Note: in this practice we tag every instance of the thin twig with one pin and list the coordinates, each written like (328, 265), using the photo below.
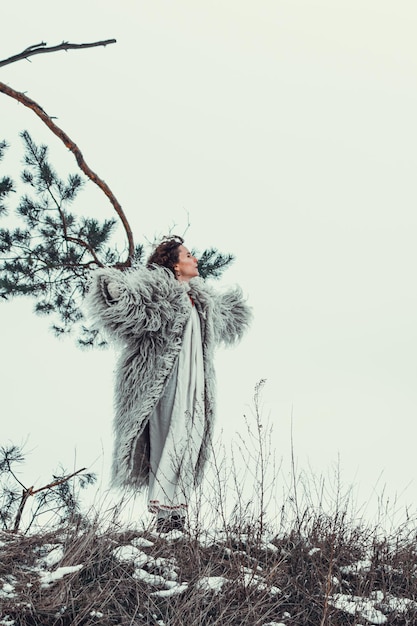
(58, 481)
(9, 469)
(41, 48)
(328, 585)
(293, 471)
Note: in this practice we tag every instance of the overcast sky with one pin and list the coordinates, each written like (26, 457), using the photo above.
(285, 132)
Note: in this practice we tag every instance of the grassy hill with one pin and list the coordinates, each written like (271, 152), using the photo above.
(321, 571)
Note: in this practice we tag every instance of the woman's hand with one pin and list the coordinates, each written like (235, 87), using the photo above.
(113, 290)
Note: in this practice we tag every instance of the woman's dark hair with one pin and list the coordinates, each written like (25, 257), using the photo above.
(166, 253)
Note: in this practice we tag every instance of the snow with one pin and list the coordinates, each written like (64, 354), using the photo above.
(162, 576)
(149, 579)
(358, 606)
(212, 583)
(165, 575)
(7, 587)
(53, 555)
(47, 578)
(250, 579)
(174, 591)
(270, 547)
(126, 554)
(358, 567)
(141, 542)
(5, 593)
(172, 535)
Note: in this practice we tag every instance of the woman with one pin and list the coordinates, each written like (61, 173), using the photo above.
(168, 321)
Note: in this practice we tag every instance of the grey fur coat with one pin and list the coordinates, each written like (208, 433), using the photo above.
(145, 311)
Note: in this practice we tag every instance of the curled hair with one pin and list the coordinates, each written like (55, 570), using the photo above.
(166, 253)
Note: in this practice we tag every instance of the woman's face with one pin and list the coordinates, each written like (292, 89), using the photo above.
(186, 268)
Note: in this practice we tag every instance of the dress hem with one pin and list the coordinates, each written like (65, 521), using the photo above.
(155, 506)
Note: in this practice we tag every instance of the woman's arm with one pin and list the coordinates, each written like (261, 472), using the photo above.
(129, 303)
(232, 316)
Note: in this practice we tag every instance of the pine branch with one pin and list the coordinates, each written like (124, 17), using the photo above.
(69, 143)
(41, 48)
(76, 240)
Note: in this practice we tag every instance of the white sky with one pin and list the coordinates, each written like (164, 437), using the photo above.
(287, 132)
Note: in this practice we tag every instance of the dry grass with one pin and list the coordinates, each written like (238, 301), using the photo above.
(229, 577)
(242, 561)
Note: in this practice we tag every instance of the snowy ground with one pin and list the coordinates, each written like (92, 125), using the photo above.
(44, 568)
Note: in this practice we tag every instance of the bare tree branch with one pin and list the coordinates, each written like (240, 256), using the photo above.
(69, 143)
(55, 483)
(26, 493)
(41, 48)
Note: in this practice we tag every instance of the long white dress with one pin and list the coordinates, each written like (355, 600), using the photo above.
(176, 428)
